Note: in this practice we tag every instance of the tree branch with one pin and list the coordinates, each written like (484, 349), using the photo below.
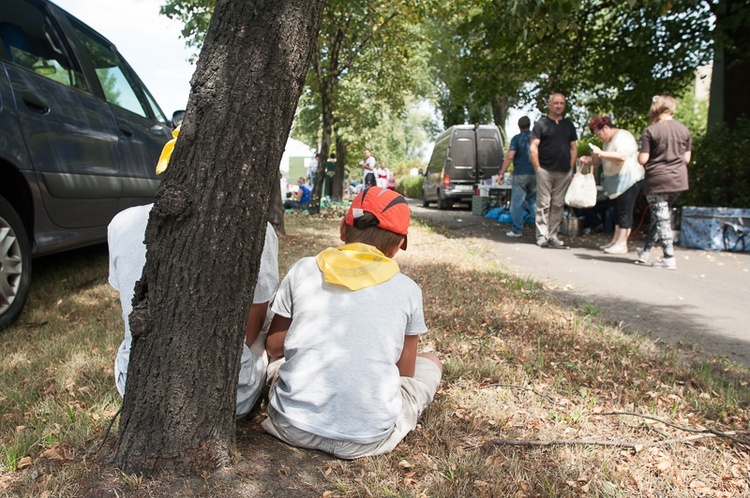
(594, 442)
(715, 432)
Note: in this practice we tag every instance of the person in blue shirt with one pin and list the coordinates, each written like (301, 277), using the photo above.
(301, 199)
(524, 177)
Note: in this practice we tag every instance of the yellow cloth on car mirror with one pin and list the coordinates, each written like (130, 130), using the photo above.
(166, 152)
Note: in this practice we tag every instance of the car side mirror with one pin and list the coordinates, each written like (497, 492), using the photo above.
(177, 118)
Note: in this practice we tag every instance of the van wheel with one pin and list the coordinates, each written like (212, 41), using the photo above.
(443, 203)
(425, 202)
(15, 265)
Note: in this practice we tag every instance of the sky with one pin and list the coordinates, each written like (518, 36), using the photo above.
(150, 43)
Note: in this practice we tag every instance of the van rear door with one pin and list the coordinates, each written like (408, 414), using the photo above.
(489, 152)
(462, 154)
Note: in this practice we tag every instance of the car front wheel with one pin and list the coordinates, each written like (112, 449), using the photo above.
(15, 265)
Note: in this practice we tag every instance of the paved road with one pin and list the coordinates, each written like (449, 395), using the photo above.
(705, 302)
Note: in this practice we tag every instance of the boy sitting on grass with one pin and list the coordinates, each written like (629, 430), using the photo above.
(347, 324)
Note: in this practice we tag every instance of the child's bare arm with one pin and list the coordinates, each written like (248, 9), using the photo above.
(408, 356)
(255, 320)
(276, 335)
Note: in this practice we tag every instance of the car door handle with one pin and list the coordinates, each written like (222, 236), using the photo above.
(126, 130)
(35, 103)
(159, 130)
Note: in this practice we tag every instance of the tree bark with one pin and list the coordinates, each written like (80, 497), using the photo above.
(276, 208)
(338, 176)
(206, 234)
(500, 106)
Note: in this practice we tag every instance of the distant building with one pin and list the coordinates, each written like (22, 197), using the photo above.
(295, 159)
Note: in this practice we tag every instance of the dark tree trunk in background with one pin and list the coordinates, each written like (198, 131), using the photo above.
(326, 94)
(206, 234)
(338, 177)
(730, 99)
(500, 106)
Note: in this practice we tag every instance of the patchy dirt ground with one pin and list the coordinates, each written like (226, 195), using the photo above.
(265, 468)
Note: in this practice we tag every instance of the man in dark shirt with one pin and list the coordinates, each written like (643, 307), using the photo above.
(524, 178)
(553, 155)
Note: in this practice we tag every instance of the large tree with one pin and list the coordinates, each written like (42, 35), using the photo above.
(205, 236)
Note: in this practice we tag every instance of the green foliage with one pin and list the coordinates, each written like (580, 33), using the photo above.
(195, 15)
(606, 56)
(410, 186)
(720, 171)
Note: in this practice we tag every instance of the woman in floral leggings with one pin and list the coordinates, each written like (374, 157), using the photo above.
(665, 153)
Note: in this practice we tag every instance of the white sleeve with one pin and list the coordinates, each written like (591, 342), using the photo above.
(268, 274)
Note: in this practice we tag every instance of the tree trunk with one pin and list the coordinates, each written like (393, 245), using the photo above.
(276, 209)
(338, 177)
(206, 234)
(729, 97)
(500, 106)
(736, 65)
(326, 99)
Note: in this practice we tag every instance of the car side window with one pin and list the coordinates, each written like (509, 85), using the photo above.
(155, 109)
(32, 40)
(119, 86)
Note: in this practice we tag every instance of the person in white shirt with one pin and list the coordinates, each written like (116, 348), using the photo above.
(348, 379)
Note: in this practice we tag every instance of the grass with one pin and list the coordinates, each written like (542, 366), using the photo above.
(518, 366)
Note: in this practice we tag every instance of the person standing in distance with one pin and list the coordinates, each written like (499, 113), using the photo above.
(369, 179)
(665, 152)
(524, 176)
(553, 155)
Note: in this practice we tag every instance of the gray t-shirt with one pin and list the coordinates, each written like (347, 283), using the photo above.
(340, 378)
(666, 143)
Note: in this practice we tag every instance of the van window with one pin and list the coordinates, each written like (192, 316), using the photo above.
(489, 152)
(462, 153)
(120, 87)
(32, 41)
(438, 157)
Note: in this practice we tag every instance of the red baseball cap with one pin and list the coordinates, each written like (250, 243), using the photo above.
(389, 207)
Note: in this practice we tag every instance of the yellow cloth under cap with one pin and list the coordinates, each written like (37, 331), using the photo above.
(356, 266)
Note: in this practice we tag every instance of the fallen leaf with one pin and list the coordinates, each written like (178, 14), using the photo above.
(51, 454)
(23, 463)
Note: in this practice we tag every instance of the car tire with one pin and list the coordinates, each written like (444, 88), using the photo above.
(443, 204)
(15, 265)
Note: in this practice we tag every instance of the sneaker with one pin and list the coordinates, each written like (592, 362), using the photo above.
(513, 234)
(542, 242)
(557, 243)
(643, 256)
(665, 263)
(606, 246)
(616, 250)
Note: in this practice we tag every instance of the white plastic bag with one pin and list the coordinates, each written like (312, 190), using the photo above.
(582, 190)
